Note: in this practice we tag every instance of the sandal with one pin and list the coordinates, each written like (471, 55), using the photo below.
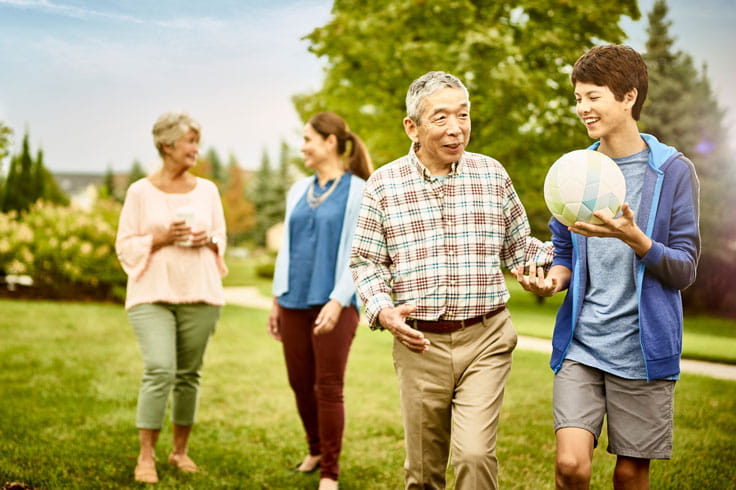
(315, 467)
(145, 473)
(184, 463)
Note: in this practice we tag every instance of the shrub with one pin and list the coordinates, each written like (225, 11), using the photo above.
(69, 253)
(265, 270)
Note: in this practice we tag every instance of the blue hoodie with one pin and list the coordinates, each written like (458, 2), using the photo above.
(668, 214)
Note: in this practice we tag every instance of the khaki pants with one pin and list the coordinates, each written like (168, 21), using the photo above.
(451, 396)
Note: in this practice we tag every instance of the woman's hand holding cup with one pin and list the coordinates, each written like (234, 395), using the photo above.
(182, 227)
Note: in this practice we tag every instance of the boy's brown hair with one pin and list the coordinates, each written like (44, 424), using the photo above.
(618, 67)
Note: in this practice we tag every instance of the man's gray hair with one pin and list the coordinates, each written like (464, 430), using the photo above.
(426, 85)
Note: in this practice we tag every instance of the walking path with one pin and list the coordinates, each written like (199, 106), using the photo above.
(250, 296)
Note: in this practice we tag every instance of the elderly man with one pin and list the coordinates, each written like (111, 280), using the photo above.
(434, 230)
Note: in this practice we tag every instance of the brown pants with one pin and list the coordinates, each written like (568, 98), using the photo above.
(451, 397)
(316, 368)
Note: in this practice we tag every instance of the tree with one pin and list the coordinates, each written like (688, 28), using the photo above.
(240, 213)
(268, 195)
(45, 186)
(285, 176)
(683, 111)
(5, 141)
(514, 57)
(136, 172)
(108, 189)
(18, 193)
(28, 180)
(218, 171)
(210, 167)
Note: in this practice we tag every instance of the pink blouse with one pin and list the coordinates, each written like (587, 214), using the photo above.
(171, 274)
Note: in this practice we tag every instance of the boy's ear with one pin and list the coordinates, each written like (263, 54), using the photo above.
(630, 98)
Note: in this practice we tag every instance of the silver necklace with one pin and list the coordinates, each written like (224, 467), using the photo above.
(313, 201)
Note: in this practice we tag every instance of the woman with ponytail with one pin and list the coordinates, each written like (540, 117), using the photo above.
(315, 307)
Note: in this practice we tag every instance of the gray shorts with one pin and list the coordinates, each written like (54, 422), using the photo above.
(639, 413)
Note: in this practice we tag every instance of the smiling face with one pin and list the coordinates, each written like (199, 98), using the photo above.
(184, 152)
(443, 129)
(316, 148)
(604, 116)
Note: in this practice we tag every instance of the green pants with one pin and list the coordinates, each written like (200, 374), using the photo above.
(172, 338)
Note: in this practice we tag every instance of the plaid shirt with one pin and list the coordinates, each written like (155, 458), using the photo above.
(439, 243)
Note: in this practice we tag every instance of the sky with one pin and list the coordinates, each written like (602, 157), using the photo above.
(88, 78)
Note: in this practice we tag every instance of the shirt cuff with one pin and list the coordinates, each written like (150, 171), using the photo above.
(374, 306)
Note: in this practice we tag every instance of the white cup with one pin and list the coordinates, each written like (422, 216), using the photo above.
(186, 214)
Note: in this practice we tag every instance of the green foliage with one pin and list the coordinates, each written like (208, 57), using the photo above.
(69, 378)
(136, 172)
(265, 270)
(267, 192)
(514, 57)
(218, 171)
(28, 180)
(46, 187)
(18, 193)
(683, 111)
(68, 252)
(5, 141)
(109, 189)
(239, 211)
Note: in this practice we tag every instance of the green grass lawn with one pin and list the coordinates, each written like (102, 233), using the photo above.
(69, 377)
(242, 272)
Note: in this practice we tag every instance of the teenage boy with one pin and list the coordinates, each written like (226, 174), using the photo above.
(618, 334)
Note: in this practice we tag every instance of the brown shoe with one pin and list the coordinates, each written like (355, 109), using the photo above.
(145, 473)
(184, 463)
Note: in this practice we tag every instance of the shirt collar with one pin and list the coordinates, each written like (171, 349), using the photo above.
(455, 167)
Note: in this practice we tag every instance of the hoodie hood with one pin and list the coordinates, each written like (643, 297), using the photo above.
(659, 152)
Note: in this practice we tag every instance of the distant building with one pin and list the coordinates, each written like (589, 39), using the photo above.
(83, 189)
(73, 183)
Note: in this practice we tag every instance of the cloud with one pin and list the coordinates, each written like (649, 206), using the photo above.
(82, 13)
(68, 10)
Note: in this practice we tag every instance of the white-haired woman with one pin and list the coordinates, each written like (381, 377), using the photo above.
(171, 243)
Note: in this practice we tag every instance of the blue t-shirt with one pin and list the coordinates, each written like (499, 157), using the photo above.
(314, 237)
(607, 332)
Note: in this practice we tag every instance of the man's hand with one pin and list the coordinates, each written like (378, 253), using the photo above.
(537, 283)
(393, 319)
(624, 228)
